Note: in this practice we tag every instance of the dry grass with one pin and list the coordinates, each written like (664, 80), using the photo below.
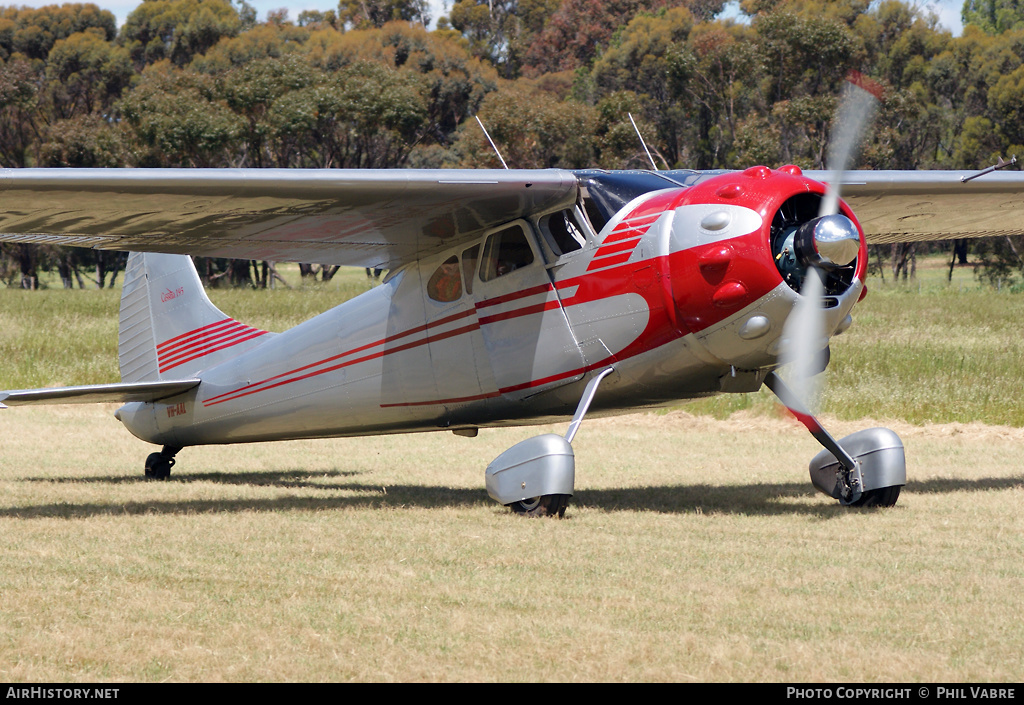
(694, 550)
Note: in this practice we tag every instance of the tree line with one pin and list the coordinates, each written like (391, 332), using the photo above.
(203, 83)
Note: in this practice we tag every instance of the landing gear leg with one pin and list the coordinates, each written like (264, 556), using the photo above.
(865, 469)
(158, 465)
(535, 477)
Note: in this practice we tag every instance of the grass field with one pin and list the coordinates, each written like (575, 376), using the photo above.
(695, 548)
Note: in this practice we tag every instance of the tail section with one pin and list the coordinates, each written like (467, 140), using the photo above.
(169, 329)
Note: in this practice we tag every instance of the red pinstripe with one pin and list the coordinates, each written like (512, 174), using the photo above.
(206, 342)
(192, 334)
(610, 261)
(206, 351)
(620, 246)
(262, 386)
(202, 341)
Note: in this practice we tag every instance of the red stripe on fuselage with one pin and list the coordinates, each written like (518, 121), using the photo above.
(589, 282)
(515, 295)
(613, 279)
(203, 341)
(231, 396)
(207, 351)
(294, 376)
(383, 341)
(620, 246)
(610, 261)
(206, 341)
(186, 338)
(519, 312)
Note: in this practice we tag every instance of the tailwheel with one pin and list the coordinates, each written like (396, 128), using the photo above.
(158, 465)
(549, 505)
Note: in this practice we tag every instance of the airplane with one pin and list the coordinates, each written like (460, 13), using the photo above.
(513, 297)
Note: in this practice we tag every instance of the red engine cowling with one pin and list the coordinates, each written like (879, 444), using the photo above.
(737, 264)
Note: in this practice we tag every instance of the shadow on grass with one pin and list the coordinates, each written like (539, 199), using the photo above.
(760, 499)
(939, 485)
(291, 478)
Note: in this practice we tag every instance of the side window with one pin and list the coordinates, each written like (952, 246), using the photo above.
(505, 251)
(445, 283)
(469, 258)
(597, 218)
(564, 234)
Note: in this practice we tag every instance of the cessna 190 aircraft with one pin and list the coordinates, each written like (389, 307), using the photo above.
(513, 297)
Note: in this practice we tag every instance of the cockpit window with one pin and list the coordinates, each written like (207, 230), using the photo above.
(505, 251)
(563, 231)
(445, 283)
(604, 193)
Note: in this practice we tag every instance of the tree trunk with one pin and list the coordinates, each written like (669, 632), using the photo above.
(274, 275)
(101, 270)
(64, 269)
(28, 267)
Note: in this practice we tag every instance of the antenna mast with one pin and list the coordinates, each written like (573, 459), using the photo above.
(500, 158)
(653, 165)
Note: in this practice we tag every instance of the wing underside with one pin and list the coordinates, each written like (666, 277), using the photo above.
(383, 218)
(909, 206)
(378, 218)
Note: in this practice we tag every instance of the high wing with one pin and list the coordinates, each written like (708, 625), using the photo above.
(365, 217)
(386, 217)
(908, 206)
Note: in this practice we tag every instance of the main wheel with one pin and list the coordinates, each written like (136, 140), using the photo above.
(548, 505)
(882, 497)
(158, 466)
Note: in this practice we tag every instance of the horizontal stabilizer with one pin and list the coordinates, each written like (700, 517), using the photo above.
(99, 393)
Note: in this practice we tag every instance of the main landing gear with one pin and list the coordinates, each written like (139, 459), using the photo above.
(548, 505)
(865, 469)
(535, 477)
(158, 465)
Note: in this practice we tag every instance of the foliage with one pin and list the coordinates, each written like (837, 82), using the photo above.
(203, 83)
(177, 30)
(994, 16)
(367, 14)
(33, 32)
(532, 129)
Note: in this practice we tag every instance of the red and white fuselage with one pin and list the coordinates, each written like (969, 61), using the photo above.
(680, 292)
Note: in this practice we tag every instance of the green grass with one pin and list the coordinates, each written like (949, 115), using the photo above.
(56, 337)
(925, 351)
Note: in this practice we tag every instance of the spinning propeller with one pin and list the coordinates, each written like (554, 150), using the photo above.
(820, 246)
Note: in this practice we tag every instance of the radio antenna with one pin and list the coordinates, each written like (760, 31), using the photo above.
(653, 165)
(493, 146)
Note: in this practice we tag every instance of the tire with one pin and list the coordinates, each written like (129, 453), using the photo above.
(158, 466)
(550, 505)
(882, 497)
